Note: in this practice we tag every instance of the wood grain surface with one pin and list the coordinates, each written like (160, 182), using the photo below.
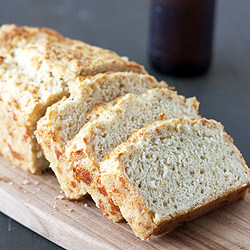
(37, 202)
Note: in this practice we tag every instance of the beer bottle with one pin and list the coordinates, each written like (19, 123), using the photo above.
(181, 36)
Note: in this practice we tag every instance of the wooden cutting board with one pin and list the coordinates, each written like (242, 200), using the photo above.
(37, 202)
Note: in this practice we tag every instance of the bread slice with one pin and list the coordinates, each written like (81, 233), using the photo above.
(38, 67)
(112, 127)
(64, 119)
(173, 171)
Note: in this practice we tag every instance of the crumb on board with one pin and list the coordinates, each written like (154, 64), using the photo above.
(54, 207)
(25, 191)
(38, 189)
(60, 197)
(85, 205)
(25, 182)
(70, 210)
(61, 192)
(10, 183)
(5, 181)
(65, 204)
(37, 183)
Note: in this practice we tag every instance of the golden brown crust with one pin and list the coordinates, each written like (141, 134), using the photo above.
(130, 203)
(10, 34)
(16, 129)
(85, 170)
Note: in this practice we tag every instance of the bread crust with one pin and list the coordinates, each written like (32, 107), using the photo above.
(17, 140)
(132, 205)
(38, 66)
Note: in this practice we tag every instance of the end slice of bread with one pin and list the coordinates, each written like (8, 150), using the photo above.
(173, 171)
(112, 127)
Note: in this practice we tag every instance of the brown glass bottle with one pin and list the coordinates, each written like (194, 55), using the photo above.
(181, 36)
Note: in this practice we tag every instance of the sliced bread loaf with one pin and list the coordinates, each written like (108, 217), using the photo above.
(112, 127)
(64, 119)
(173, 171)
(38, 67)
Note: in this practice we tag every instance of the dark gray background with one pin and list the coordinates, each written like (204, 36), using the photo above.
(123, 26)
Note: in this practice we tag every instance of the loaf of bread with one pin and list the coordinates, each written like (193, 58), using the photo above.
(38, 67)
(64, 119)
(112, 127)
(173, 171)
(81, 103)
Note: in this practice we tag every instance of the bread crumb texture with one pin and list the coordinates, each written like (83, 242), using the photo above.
(117, 120)
(174, 168)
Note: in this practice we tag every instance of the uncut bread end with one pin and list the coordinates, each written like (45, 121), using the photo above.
(38, 67)
(173, 171)
(112, 127)
(64, 119)
(19, 105)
